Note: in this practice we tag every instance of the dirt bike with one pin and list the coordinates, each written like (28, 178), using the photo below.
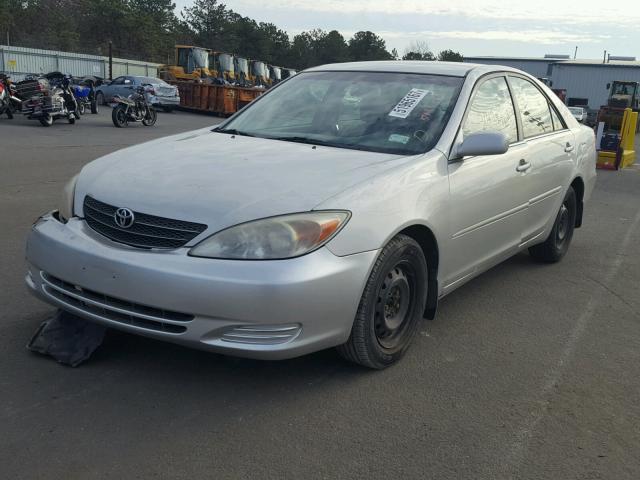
(134, 108)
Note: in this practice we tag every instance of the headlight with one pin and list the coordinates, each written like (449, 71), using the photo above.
(65, 208)
(274, 238)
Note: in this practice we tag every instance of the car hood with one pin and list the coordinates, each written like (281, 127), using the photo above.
(222, 180)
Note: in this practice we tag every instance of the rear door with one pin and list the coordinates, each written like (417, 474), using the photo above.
(488, 195)
(551, 154)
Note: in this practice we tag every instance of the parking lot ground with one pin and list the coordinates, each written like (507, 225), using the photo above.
(528, 372)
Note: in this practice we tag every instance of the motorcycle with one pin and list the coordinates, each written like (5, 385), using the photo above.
(51, 104)
(9, 102)
(134, 108)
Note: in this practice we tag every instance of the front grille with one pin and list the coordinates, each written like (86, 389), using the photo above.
(147, 231)
(114, 309)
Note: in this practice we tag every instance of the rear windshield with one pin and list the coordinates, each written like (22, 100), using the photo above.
(401, 113)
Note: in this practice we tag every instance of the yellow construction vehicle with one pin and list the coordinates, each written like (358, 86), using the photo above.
(191, 64)
(259, 75)
(243, 77)
(622, 95)
(223, 65)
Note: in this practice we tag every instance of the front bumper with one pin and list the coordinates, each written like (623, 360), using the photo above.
(258, 309)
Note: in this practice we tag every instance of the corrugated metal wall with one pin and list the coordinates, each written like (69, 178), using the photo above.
(537, 68)
(18, 61)
(590, 81)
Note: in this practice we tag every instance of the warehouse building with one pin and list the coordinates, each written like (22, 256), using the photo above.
(584, 80)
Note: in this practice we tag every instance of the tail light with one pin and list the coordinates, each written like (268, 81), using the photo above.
(1, 88)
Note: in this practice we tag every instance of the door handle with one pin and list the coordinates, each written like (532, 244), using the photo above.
(523, 166)
(568, 147)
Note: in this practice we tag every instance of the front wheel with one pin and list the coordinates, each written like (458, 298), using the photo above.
(94, 106)
(557, 243)
(81, 108)
(46, 121)
(71, 118)
(100, 99)
(119, 116)
(391, 306)
(150, 118)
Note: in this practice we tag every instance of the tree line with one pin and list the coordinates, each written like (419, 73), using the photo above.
(149, 29)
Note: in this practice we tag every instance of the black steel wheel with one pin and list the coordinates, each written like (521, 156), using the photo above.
(557, 243)
(119, 116)
(391, 306)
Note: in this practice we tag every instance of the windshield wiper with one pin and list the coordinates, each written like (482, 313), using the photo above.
(232, 131)
(311, 141)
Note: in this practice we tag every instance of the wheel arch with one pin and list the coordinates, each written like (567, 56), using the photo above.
(578, 186)
(425, 237)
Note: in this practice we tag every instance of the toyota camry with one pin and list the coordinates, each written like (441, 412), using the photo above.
(336, 210)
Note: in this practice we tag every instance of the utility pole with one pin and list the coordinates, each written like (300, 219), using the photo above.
(110, 60)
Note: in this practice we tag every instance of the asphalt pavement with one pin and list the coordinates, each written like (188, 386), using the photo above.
(528, 372)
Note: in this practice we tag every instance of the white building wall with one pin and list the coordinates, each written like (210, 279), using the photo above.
(590, 81)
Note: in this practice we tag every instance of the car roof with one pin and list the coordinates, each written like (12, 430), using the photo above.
(454, 69)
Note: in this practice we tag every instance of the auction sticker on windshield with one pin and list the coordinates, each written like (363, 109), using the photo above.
(408, 103)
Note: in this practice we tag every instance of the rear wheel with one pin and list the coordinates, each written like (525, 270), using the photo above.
(391, 306)
(119, 116)
(9, 113)
(94, 106)
(557, 243)
(150, 118)
(71, 118)
(46, 121)
(81, 108)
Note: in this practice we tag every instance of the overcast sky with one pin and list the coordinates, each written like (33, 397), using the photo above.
(482, 27)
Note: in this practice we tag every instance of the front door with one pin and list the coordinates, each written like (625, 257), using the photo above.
(487, 193)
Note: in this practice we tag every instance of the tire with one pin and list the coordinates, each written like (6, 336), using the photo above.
(119, 116)
(9, 113)
(46, 121)
(167, 109)
(100, 99)
(557, 243)
(94, 106)
(81, 108)
(150, 119)
(391, 307)
(71, 119)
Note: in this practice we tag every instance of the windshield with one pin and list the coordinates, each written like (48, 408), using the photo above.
(258, 69)
(200, 58)
(226, 62)
(153, 81)
(242, 65)
(399, 113)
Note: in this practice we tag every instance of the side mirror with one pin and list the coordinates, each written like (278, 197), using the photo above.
(608, 86)
(482, 143)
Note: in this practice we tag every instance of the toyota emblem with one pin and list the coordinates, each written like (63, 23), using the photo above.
(123, 217)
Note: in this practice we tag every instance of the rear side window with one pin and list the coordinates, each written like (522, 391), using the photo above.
(557, 123)
(535, 111)
(491, 109)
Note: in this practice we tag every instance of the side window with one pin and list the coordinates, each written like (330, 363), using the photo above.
(118, 81)
(557, 123)
(535, 112)
(492, 109)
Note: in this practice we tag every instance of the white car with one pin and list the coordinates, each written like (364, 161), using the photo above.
(335, 210)
(579, 113)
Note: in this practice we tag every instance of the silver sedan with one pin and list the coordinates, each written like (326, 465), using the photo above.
(334, 211)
